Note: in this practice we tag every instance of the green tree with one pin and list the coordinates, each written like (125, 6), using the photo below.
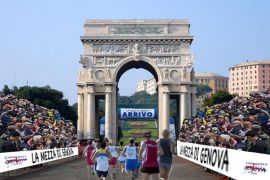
(138, 100)
(6, 90)
(203, 89)
(49, 98)
(217, 98)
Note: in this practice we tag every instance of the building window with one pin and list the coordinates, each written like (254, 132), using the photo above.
(250, 72)
(255, 87)
(263, 66)
(233, 89)
(263, 81)
(263, 87)
(242, 83)
(250, 77)
(255, 71)
(263, 76)
(241, 73)
(242, 88)
(263, 71)
(237, 73)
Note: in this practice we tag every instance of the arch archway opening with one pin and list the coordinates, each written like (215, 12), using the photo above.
(136, 65)
(136, 100)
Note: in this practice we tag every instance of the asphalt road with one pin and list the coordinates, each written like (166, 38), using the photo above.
(76, 170)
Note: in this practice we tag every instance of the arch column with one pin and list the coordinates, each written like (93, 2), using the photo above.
(163, 108)
(194, 101)
(109, 122)
(183, 107)
(80, 120)
(91, 118)
(188, 101)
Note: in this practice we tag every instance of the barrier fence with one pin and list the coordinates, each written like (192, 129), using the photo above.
(21, 159)
(236, 164)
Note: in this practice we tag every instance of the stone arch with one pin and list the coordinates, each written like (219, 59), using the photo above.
(112, 47)
(132, 62)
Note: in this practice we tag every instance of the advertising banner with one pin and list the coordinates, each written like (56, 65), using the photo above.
(130, 113)
(20, 159)
(236, 164)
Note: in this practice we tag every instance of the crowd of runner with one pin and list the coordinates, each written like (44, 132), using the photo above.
(242, 123)
(151, 158)
(27, 126)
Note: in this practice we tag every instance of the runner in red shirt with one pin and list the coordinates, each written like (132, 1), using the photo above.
(149, 157)
(88, 151)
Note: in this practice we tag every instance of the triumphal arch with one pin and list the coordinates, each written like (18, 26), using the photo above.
(111, 47)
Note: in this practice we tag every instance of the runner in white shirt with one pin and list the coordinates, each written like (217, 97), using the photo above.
(130, 152)
(102, 157)
(121, 158)
(113, 162)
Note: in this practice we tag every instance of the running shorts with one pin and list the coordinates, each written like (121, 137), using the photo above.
(113, 161)
(150, 170)
(102, 173)
(132, 164)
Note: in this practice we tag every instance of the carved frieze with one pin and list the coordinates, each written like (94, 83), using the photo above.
(162, 48)
(182, 61)
(106, 61)
(136, 30)
(168, 61)
(86, 75)
(110, 48)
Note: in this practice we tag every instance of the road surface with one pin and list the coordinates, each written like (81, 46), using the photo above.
(76, 170)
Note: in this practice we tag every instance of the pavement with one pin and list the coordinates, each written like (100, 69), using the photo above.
(76, 170)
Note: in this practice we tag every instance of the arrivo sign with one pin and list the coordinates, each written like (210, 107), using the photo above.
(16, 160)
(236, 164)
(130, 113)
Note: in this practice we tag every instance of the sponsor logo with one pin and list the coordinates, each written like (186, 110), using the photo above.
(255, 168)
(14, 160)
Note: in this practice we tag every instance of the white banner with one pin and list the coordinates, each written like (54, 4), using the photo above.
(126, 113)
(236, 164)
(20, 159)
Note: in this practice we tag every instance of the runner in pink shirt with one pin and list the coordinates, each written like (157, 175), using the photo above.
(88, 152)
(149, 157)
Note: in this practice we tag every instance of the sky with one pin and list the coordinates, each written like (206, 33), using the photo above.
(40, 40)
